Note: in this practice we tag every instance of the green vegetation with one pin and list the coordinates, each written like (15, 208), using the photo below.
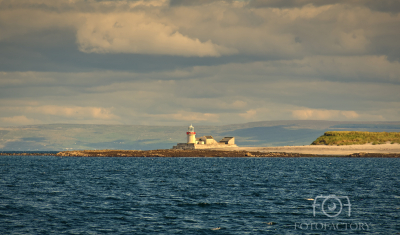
(357, 137)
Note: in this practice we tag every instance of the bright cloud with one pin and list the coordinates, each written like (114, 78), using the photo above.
(315, 114)
(137, 33)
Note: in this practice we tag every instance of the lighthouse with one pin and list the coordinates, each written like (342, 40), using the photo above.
(191, 135)
(205, 142)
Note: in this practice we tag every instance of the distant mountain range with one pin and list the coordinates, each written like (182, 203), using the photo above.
(57, 137)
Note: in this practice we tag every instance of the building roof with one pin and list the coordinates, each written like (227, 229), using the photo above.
(226, 140)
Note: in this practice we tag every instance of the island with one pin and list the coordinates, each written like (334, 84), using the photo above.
(331, 144)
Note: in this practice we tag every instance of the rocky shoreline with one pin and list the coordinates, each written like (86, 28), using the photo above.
(192, 153)
(28, 154)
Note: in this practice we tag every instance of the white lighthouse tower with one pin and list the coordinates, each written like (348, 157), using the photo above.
(191, 135)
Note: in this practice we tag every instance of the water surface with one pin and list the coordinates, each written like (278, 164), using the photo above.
(52, 195)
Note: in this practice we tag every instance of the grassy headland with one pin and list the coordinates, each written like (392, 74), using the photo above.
(357, 137)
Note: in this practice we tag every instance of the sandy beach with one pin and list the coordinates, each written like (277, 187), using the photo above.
(327, 149)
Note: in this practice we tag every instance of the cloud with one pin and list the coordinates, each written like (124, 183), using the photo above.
(110, 32)
(137, 33)
(346, 68)
(318, 114)
(73, 111)
(256, 91)
(249, 114)
(384, 5)
(182, 115)
(168, 62)
(289, 33)
(190, 3)
(24, 78)
(214, 29)
(329, 68)
(18, 112)
(18, 120)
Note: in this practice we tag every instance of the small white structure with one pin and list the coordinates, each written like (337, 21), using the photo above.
(207, 139)
(227, 140)
(204, 142)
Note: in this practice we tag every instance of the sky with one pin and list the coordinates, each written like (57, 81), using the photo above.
(177, 62)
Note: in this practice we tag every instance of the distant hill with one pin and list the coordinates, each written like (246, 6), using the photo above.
(57, 137)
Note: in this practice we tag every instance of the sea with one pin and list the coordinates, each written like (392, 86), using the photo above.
(318, 195)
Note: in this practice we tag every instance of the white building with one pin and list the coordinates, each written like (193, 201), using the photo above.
(204, 142)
